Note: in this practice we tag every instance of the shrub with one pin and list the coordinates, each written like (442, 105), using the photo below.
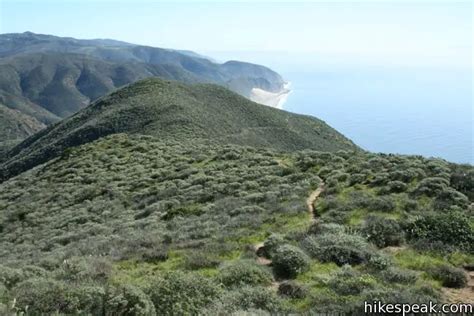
(451, 228)
(271, 245)
(247, 299)
(431, 186)
(319, 228)
(397, 275)
(84, 269)
(128, 300)
(338, 248)
(379, 261)
(380, 179)
(199, 260)
(292, 289)
(178, 293)
(89, 300)
(10, 276)
(154, 254)
(382, 232)
(350, 282)
(42, 296)
(381, 204)
(336, 216)
(462, 179)
(450, 276)
(244, 273)
(356, 178)
(396, 186)
(449, 198)
(289, 261)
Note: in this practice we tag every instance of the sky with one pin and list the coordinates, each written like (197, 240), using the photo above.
(398, 32)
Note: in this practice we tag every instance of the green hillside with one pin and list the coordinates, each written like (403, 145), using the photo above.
(143, 225)
(176, 111)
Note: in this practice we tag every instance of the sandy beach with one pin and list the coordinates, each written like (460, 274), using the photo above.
(273, 99)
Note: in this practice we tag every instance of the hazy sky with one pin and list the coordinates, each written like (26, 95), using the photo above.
(436, 32)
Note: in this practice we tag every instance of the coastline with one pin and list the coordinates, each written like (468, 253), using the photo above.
(272, 99)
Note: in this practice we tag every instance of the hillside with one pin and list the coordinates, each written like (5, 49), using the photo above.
(49, 77)
(176, 111)
(143, 225)
(14, 127)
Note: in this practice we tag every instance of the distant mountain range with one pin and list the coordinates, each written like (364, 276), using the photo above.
(48, 78)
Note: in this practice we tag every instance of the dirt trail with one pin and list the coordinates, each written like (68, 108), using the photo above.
(310, 200)
(463, 295)
(310, 205)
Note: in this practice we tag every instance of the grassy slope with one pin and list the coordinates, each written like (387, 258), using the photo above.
(172, 110)
(130, 209)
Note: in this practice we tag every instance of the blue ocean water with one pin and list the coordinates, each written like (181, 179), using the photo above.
(383, 107)
(409, 111)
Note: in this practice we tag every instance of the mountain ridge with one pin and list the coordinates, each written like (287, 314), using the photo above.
(50, 77)
(174, 110)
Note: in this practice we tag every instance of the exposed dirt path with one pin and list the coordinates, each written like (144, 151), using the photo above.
(463, 295)
(312, 198)
(310, 205)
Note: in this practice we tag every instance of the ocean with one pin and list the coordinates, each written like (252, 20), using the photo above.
(421, 110)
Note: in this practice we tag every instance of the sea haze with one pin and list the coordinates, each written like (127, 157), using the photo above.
(422, 110)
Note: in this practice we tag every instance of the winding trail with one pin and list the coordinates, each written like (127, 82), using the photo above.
(312, 198)
(310, 205)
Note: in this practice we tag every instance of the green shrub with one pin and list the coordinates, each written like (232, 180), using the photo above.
(381, 204)
(244, 273)
(431, 186)
(379, 261)
(42, 296)
(339, 248)
(85, 269)
(396, 186)
(397, 275)
(195, 260)
(128, 300)
(356, 178)
(178, 293)
(89, 300)
(462, 179)
(382, 232)
(319, 228)
(451, 228)
(289, 261)
(247, 299)
(450, 276)
(271, 245)
(449, 198)
(348, 281)
(292, 289)
(10, 276)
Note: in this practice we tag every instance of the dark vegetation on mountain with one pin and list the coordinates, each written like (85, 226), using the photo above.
(177, 111)
(14, 127)
(49, 77)
(144, 225)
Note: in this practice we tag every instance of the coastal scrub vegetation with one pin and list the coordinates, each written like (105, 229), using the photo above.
(138, 225)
